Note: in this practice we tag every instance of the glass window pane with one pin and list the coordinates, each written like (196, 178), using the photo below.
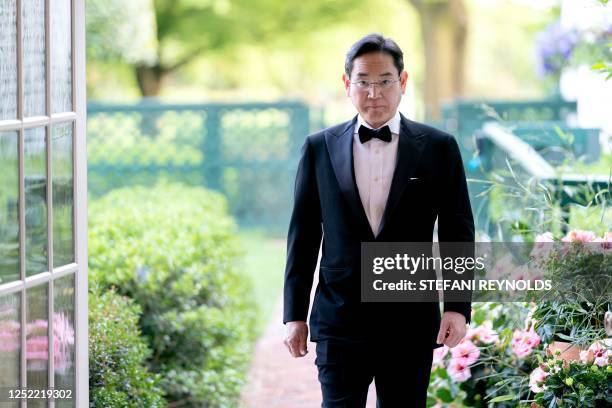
(63, 338)
(9, 207)
(61, 58)
(33, 14)
(35, 166)
(37, 341)
(63, 203)
(10, 343)
(8, 59)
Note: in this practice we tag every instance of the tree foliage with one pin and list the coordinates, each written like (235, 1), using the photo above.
(183, 30)
(120, 30)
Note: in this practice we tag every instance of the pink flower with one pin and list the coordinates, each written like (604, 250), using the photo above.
(9, 335)
(586, 356)
(483, 333)
(62, 329)
(38, 326)
(466, 351)
(545, 237)
(502, 267)
(37, 343)
(536, 378)
(37, 348)
(520, 273)
(458, 370)
(524, 341)
(543, 246)
(526, 273)
(579, 236)
(438, 356)
(598, 353)
(63, 333)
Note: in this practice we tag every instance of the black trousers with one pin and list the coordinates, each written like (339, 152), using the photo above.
(400, 373)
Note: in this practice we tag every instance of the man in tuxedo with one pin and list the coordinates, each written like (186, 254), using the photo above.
(376, 178)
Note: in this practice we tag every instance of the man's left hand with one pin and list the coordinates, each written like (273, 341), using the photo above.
(452, 329)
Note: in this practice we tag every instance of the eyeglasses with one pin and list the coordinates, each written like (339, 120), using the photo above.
(382, 85)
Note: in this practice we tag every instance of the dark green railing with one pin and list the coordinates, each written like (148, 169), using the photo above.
(542, 124)
(464, 117)
(247, 151)
(507, 147)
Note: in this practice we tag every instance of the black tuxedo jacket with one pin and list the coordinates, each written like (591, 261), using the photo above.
(428, 183)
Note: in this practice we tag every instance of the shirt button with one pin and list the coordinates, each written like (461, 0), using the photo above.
(376, 179)
(376, 151)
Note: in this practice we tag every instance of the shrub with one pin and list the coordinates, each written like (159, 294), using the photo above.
(117, 375)
(173, 249)
(584, 383)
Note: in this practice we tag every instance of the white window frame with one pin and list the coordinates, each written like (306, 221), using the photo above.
(78, 119)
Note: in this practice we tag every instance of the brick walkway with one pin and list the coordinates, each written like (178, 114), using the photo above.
(277, 380)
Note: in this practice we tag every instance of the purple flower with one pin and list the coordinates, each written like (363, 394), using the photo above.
(554, 47)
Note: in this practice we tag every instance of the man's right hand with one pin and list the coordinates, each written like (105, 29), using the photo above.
(295, 340)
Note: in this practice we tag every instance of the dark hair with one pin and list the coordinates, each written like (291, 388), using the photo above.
(374, 43)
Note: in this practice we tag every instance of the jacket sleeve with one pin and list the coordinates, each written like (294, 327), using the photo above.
(455, 224)
(303, 239)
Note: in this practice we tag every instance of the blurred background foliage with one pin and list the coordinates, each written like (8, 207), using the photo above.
(234, 50)
(228, 89)
(215, 53)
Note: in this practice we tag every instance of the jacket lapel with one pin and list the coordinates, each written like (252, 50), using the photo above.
(340, 148)
(411, 145)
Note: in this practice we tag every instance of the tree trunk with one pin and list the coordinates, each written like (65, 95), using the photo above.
(444, 27)
(150, 79)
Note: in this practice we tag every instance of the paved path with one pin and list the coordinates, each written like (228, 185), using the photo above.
(277, 380)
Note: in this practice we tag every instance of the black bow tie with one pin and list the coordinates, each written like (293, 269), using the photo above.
(365, 134)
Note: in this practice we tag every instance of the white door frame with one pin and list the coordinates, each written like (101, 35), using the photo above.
(79, 103)
(79, 268)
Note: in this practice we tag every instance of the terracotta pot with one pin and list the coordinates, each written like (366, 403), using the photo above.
(569, 351)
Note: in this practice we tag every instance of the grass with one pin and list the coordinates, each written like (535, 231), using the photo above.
(264, 264)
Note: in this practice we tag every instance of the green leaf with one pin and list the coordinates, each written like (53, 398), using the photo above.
(480, 316)
(444, 394)
(502, 398)
(564, 336)
(431, 401)
(443, 373)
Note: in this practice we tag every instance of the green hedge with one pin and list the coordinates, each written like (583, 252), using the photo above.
(117, 375)
(173, 250)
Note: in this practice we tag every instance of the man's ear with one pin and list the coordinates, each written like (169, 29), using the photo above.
(347, 84)
(403, 80)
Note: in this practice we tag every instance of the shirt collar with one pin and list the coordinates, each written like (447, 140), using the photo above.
(393, 123)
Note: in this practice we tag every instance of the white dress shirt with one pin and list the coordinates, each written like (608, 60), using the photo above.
(374, 163)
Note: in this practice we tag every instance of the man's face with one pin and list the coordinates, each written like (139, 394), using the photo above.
(376, 103)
